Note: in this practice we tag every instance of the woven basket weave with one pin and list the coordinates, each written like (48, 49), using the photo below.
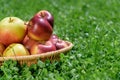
(32, 59)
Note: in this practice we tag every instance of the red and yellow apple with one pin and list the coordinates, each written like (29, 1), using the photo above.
(12, 30)
(28, 42)
(42, 48)
(2, 48)
(40, 27)
(15, 49)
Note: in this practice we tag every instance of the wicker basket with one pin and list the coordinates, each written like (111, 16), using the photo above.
(32, 59)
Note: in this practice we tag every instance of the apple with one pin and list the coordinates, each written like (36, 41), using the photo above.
(60, 44)
(15, 49)
(12, 30)
(54, 38)
(2, 48)
(28, 42)
(47, 15)
(40, 27)
(42, 48)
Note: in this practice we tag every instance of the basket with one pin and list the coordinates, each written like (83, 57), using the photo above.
(32, 59)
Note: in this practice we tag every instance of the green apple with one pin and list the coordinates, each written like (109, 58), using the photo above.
(12, 30)
(15, 49)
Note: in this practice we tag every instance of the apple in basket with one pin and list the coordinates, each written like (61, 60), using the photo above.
(42, 48)
(15, 49)
(40, 27)
(46, 15)
(28, 42)
(12, 30)
(54, 38)
(2, 48)
(58, 42)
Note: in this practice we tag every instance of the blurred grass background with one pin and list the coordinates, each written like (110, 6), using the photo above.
(93, 26)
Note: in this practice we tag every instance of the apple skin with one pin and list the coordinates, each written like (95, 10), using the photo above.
(40, 27)
(42, 48)
(54, 38)
(60, 44)
(28, 42)
(2, 48)
(12, 30)
(47, 15)
(15, 49)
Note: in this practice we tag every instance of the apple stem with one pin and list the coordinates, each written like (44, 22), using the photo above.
(10, 20)
(42, 14)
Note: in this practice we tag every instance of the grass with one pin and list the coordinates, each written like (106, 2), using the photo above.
(93, 26)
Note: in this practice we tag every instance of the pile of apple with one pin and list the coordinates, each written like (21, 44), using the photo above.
(20, 38)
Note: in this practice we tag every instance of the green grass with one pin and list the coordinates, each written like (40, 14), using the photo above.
(93, 26)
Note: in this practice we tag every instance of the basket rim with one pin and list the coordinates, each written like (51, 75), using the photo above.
(37, 56)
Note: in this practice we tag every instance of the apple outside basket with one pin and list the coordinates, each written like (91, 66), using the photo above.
(32, 59)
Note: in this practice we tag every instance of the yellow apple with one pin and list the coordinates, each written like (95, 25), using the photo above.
(2, 48)
(15, 49)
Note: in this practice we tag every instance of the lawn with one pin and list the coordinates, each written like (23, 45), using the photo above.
(93, 26)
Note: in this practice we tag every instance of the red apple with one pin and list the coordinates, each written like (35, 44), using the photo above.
(60, 44)
(12, 30)
(15, 49)
(47, 15)
(2, 48)
(28, 42)
(54, 38)
(40, 27)
(42, 48)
